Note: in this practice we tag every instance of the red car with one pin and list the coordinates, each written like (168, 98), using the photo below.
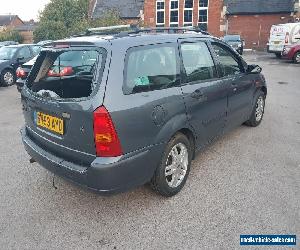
(292, 52)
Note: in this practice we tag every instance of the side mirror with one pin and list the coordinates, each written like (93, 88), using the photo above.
(254, 69)
(20, 58)
(243, 42)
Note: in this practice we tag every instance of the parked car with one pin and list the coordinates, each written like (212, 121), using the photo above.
(135, 107)
(236, 42)
(6, 43)
(23, 70)
(22, 73)
(11, 57)
(292, 52)
(282, 35)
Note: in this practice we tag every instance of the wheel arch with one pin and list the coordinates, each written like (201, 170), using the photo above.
(191, 137)
(264, 89)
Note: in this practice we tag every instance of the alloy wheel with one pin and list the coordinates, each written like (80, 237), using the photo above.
(297, 58)
(177, 165)
(8, 78)
(259, 110)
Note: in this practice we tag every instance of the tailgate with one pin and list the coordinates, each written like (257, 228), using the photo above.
(63, 89)
(75, 141)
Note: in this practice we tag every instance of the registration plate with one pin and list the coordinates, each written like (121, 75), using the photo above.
(49, 122)
(276, 42)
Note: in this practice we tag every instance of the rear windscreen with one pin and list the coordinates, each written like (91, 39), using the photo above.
(66, 73)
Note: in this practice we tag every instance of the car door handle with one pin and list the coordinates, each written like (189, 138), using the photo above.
(197, 94)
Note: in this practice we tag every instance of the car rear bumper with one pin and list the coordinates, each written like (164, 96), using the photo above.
(104, 175)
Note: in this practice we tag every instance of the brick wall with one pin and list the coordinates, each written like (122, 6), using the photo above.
(214, 14)
(255, 29)
(15, 22)
(27, 36)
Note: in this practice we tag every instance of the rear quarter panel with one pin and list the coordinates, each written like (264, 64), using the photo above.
(141, 119)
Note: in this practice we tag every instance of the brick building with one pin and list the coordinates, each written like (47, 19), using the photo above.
(206, 14)
(252, 19)
(9, 22)
(130, 11)
(26, 30)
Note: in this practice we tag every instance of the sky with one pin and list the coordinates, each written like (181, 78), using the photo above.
(25, 9)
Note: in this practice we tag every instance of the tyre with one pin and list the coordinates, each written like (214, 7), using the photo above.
(258, 110)
(296, 58)
(8, 77)
(278, 55)
(171, 175)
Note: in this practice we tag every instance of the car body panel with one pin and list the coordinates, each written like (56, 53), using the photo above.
(13, 63)
(144, 122)
(289, 52)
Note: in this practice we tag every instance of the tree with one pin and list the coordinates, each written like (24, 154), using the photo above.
(62, 18)
(110, 18)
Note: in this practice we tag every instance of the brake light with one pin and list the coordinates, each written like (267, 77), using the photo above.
(52, 73)
(287, 37)
(21, 73)
(66, 71)
(106, 138)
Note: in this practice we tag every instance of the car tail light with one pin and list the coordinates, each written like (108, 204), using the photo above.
(52, 73)
(21, 73)
(106, 138)
(287, 37)
(66, 71)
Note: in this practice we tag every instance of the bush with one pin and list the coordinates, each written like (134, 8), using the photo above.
(10, 35)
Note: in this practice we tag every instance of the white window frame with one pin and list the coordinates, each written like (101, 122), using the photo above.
(174, 10)
(192, 9)
(156, 11)
(203, 8)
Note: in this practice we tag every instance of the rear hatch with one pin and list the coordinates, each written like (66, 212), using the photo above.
(62, 91)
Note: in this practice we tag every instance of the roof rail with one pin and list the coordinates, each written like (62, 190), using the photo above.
(175, 29)
(135, 29)
(116, 27)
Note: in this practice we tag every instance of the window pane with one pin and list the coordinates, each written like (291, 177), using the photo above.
(174, 16)
(160, 17)
(203, 26)
(24, 52)
(202, 16)
(188, 16)
(174, 5)
(65, 74)
(203, 3)
(188, 4)
(229, 64)
(151, 68)
(197, 62)
(160, 5)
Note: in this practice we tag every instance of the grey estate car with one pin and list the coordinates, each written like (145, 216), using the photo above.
(112, 112)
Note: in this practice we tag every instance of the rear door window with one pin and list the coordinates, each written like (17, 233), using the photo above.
(24, 53)
(36, 49)
(150, 68)
(65, 74)
(197, 62)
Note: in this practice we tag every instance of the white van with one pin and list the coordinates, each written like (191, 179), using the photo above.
(282, 35)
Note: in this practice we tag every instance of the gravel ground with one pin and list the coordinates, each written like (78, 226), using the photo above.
(248, 182)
